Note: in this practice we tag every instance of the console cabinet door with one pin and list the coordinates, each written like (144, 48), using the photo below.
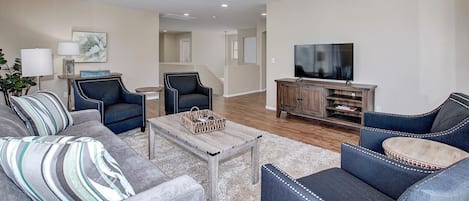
(288, 97)
(312, 100)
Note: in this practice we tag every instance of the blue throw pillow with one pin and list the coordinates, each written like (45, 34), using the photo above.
(453, 111)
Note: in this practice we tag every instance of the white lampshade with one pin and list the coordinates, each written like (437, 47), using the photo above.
(36, 62)
(68, 49)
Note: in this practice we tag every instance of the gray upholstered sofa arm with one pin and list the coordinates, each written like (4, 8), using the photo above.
(182, 188)
(83, 116)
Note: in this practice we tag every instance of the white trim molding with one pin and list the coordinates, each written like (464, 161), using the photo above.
(242, 93)
(270, 108)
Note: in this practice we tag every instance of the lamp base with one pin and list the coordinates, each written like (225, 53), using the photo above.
(68, 67)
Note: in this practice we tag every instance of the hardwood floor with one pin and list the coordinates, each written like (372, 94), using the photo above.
(250, 110)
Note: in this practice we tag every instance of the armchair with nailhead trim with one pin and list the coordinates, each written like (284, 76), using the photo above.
(367, 174)
(448, 124)
(183, 90)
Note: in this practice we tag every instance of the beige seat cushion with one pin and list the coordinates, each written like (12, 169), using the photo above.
(423, 153)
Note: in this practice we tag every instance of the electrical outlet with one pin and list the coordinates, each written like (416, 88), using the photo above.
(65, 95)
(273, 60)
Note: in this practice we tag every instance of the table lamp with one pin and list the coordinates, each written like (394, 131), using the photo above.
(36, 63)
(68, 49)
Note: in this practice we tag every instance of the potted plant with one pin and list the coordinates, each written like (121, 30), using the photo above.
(11, 81)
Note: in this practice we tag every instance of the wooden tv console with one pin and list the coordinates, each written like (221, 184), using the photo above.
(332, 102)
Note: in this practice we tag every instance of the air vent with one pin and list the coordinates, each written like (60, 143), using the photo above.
(177, 17)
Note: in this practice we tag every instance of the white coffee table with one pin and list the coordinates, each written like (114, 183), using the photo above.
(212, 147)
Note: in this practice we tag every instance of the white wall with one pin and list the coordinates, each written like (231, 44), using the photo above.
(208, 48)
(462, 46)
(406, 47)
(242, 79)
(132, 36)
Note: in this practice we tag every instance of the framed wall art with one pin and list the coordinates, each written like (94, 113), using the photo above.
(93, 46)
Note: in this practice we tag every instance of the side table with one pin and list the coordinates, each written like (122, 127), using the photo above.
(149, 90)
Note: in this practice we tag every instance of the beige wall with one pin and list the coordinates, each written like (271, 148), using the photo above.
(208, 48)
(242, 79)
(406, 47)
(462, 46)
(169, 48)
(132, 35)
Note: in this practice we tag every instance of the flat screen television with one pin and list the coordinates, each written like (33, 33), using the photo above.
(324, 61)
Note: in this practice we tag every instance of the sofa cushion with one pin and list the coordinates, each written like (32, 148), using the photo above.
(43, 113)
(184, 83)
(328, 183)
(452, 112)
(121, 111)
(139, 171)
(63, 168)
(448, 184)
(11, 124)
(423, 153)
(190, 100)
(108, 91)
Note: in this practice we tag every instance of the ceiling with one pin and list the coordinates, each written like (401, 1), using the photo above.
(204, 15)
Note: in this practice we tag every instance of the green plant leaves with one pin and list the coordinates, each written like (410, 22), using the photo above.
(12, 83)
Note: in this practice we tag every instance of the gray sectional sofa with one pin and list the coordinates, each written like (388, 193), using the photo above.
(149, 182)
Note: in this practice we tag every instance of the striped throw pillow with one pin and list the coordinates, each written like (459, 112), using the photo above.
(63, 168)
(43, 113)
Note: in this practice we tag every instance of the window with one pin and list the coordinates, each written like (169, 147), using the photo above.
(250, 50)
(234, 49)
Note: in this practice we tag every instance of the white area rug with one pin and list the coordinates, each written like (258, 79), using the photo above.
(296, 158)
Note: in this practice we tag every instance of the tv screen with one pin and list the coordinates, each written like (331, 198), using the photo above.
(324, 61)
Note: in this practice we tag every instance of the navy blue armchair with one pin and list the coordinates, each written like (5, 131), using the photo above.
(449, 124)
(120, 109)
(182, 91)
(367, 175)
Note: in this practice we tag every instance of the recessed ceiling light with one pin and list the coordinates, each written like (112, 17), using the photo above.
(224, 5)
(264, 14)
(214, 17)
(186, 14)
(165, 31)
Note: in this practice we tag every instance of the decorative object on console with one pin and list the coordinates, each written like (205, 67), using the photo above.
(68, 49)
(63, 168)
(93, 46)
(36, 63)
(94, 73)
(43, 113)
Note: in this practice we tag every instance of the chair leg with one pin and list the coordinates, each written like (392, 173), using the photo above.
(142, 129)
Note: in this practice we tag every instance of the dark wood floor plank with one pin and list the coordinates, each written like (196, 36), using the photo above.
(250, 110)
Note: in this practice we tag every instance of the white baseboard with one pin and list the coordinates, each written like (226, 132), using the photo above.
(242, 93)
(270, 108)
